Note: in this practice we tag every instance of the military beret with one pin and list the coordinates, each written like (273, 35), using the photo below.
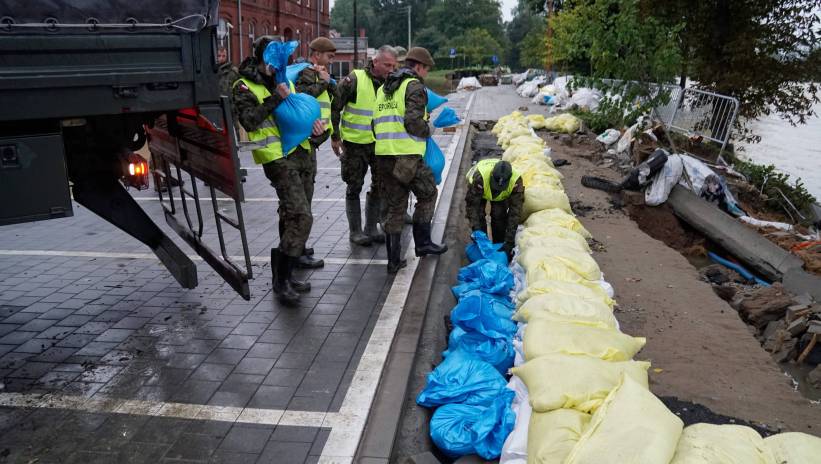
(322, 44)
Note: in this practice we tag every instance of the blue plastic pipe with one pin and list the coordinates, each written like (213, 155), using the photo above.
(736, 267)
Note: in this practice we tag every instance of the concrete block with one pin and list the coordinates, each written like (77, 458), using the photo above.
(798, 326)
(803, 299)
(755, 251)
(814, 327)
(796, 311)
(422, 458)
(798, 282)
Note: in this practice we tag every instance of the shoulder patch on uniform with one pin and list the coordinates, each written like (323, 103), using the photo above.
(242, 86)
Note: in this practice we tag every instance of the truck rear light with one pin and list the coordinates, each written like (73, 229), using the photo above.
(135, 172)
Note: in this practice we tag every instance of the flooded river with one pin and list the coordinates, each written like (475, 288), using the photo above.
(794, 150)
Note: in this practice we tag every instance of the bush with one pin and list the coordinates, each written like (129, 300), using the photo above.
(774, 181)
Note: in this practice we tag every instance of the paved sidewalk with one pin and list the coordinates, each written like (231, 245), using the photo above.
(104, 358)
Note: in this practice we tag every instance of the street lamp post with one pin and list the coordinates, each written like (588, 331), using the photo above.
(355, 39)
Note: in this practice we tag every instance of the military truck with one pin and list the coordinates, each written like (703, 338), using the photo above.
(83, 85)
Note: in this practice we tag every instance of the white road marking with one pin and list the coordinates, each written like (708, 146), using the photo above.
(97, 254)
(100, 403)
(348, 426)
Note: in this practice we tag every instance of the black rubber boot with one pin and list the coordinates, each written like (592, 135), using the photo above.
(393, 245)
(354, 213)
(424, 245)
(309, 262)
(309, 251)
(372, 210)
(282, 283)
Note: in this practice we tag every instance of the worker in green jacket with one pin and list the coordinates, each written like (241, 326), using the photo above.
(496, 182)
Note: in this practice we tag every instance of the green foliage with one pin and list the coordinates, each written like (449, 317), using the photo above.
(477, 45)
(533, 49)
(774, 181)
(622, 104)
(518, 29)
(617, 39)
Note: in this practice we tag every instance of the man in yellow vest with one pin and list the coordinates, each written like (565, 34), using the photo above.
(353, 142)
(255, 96)
(315, 80)
(496, 182)
(400, 125)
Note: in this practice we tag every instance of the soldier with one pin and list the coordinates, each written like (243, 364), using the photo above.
(495, 181)
(353, 142)
(256, 95)
(316, 82)
(400, 124)
(227, 72)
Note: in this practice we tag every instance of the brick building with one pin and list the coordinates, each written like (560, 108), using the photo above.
(241, 21)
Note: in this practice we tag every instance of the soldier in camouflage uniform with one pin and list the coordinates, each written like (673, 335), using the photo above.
(227, 72)
(496, 182)
(256, 95)
(401, 128)
(353, 142)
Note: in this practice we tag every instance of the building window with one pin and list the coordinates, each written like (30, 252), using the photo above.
(224, 35)
(321, 5)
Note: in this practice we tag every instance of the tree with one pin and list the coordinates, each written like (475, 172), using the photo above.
(477, 45)
(758, 51)
(519, 27)
(533, 48)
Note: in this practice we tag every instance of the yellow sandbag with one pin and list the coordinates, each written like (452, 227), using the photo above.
(553, 269)
(528, 139)
(551, 435)
(722, 444)
(566, 123)
(543, 337)
(561, 307)
(539, 177)
(631, 426)
(527, 240)
(513, 118)
(579, 261)
(533, 235)
(539, 197)
(575, 381)
(794, 448)
(537, 121)
(595, 294)
(515, 151)
(533, 166)
(557, 217)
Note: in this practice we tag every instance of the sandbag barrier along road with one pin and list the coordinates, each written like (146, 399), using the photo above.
(579, 397)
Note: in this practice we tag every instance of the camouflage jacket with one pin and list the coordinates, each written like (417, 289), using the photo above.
(227, 74)
(416, 99)
(346, 93)
(309, 82)
(476, 213)
(250, 112)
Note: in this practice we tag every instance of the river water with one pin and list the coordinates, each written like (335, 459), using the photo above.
(793, 150)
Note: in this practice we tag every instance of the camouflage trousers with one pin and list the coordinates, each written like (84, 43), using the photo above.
(399, 175)
(476, 210)
(293, 179)
(356, 159)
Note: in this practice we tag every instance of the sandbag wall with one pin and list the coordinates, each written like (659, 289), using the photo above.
(580, 398)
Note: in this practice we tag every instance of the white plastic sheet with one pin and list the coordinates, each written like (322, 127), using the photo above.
(469, 83)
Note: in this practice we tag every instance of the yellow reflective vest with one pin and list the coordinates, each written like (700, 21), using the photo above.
(485, 168)
(266, 145)
(389, 125)
(357, 116)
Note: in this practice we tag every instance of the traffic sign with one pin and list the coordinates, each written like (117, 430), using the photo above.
(453, 53)
(495, 59)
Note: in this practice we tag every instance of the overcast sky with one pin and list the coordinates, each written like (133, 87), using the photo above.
(507, 7)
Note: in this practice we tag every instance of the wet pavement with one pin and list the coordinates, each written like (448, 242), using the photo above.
(104, 358)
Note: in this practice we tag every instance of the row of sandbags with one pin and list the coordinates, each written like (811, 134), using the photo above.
(468, 390)
(580, 398)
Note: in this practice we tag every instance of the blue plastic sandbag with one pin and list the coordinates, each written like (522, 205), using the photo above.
(434, 100)
(276, 54)
(295, 118)
(293, 70)
(461, 378)
(483, 248)
(548, 99)
(485, 275)
(498, 352)
(446, 118)
(484, 313)
(435, 159)
(459, 430)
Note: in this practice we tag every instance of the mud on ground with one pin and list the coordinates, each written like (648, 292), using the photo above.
(701, 351)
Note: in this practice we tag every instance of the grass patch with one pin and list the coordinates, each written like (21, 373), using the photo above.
(438, 82)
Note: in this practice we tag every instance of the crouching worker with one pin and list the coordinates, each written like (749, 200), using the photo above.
(400, 126)
(256, 95)
(494, 181)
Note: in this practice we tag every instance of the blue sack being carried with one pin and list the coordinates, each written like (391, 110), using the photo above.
(459, 430)
(484, 313)
(293, 70)
(498, 352)
(296, 114)
(446, 118)
(461, 378)
(483, 248)
(485, 275)
(435, 159)
(434, 100)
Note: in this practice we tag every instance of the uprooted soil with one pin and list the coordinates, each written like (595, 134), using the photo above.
(701, 350)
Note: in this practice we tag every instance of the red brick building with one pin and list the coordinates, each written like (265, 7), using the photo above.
(241, 21)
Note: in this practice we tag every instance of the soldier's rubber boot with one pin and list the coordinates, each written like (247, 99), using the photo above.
(372, 215)
(298, 285)
(354, 213)
(393, 245)
(282, 284)
(424, 244)
(309, 262)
